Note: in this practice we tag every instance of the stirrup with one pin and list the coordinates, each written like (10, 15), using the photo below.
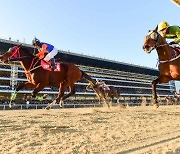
(53, 63)
(52, 66)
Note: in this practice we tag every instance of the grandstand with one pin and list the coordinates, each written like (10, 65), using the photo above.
(132, 81)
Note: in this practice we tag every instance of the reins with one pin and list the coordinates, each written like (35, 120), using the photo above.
(169, 60)
(19, 58)
(172, 58)
(157, 45)
(32, 66)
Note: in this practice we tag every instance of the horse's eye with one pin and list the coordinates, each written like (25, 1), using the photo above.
(154, 36)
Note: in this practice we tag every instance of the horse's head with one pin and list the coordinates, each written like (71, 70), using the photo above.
(12, 52)
(15, 53)
(152, 40)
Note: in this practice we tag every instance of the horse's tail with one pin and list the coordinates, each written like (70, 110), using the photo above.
(88, 87)
(89, 79)
(92, 83)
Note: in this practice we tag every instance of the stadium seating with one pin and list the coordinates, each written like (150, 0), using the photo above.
(130, 80)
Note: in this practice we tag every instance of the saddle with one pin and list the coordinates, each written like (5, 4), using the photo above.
(106, 88)
(177, 49)
(47, 66)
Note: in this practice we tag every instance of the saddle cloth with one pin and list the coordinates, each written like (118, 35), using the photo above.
(47, 66)
(106, 88)
(177, 49)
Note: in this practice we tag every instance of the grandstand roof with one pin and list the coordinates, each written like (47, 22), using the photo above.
(81, 59)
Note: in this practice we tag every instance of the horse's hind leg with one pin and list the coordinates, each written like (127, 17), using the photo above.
(62, 88)
(71, 92)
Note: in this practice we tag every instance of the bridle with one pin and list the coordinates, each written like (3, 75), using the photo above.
(15, 55)
(156, 39)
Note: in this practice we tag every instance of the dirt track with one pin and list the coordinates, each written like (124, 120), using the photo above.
(91, 130)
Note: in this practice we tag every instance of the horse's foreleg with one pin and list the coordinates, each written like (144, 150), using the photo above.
(160, 79)
(26, 85)
(13, 96)
(50, 105)
(154, 93)
(88, 87)
(38, 88)
(118, 100)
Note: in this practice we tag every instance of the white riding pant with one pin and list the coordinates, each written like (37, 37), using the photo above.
(51, 54)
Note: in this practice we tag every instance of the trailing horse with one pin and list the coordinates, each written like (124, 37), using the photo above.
(169, 60)
(40, 76)
(110, 92)
(170, 100)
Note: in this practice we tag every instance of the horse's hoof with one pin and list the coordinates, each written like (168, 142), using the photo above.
(156, 105)
(10, 106)
(61, 104)
(47, 108)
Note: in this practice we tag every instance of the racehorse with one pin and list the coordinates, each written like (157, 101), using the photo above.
(110, 92)
(176, 98)
(39, 78)
(169, 60)
(170, 100)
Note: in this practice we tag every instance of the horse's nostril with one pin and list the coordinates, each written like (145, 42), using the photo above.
(146, 46)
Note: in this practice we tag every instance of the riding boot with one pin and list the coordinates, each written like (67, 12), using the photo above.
(53, 65)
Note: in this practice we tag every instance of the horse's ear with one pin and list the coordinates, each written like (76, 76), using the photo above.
(156, 29)
(20, 45)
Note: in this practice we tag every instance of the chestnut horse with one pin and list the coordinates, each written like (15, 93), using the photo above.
(169, 60)
(38, 78)
(105, 93)
(170, 100)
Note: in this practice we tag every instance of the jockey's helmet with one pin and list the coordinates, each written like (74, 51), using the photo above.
(36, 41)
(163, 25)
(98, 80)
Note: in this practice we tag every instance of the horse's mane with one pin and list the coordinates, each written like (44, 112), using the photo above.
(29, 51)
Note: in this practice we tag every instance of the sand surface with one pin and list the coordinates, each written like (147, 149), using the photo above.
(91, 130)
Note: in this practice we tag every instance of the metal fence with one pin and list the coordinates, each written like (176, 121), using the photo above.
(56, 106)
(42, 106)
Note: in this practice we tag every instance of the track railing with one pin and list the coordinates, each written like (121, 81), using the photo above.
(56, 106)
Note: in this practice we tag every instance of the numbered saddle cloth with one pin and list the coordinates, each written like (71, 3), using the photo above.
(47, 66)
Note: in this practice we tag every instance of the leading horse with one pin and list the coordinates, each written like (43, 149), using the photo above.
(38, 78)
(169, 60)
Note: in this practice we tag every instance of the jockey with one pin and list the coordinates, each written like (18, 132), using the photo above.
(45, 48)
(102, 84)
(171, 32)
(176, 94)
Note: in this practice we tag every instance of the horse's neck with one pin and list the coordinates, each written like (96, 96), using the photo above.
(165, 52)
